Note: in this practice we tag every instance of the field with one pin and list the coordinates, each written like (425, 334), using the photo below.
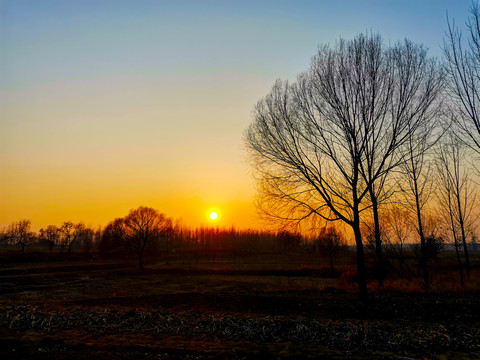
(265, 306)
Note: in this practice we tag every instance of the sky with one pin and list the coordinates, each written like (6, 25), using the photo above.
(109, 105)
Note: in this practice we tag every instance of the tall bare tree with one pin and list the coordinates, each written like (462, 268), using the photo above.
(463, 66)
(404, 118)
(457, 193)
(326, 143)
(417, 175)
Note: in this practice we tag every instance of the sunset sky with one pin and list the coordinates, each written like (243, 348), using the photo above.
(109, 105)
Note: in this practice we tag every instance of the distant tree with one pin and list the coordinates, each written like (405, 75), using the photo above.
(50, 236)
(399, 226)
(4, 236)
(169, 237)
(97, 238)
(19, 233)
(111, 241)
(140, 229)
(330, 242)
(288, 241)
(86, 238)
(71, 234)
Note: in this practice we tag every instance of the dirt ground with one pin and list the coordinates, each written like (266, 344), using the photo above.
(109, 310)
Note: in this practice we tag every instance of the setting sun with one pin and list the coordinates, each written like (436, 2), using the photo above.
(213, 215)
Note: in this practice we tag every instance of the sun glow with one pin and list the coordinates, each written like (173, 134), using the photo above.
(213, 215)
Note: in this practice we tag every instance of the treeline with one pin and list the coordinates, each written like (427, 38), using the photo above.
(146, 230)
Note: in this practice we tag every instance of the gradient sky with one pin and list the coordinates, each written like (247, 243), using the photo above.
(109, 105)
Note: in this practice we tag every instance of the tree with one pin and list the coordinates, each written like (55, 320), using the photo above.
(323, 145)
(50, 236)
(19, 233)
(330, 242)
(398, 227)
(400, 122)
(140, 229)
(463, 67)
(417, 180)
(86, 238)
(457, 194)
(111, 241)
(71, 234)
(288, 241)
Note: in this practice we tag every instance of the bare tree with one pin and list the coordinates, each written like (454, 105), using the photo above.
(404, 122)
(141, 228)
(71, 234)
(463, 66)
(50, 236)
(397, 222)
(86, 238)
(19, 233)
(457, 193)
(326, 143)
(330, 241)
(417, 176)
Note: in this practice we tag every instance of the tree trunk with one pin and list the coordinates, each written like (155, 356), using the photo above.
(361, 276)
(459, 261)
(140, 260)
(455, 239)
(423, 244)
(378, 240)
(464, 236)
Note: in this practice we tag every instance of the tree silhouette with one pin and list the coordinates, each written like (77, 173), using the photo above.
(19, 233)
(457, 194)
(324, 145)
(463, 67)
(50, 236)
(140, 229)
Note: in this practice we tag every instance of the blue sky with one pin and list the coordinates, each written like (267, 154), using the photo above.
(187, 38)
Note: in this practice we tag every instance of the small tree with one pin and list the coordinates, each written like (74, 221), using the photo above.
(86, 239)
(329, 243)
(71, 234)
(288, 241)
(111, 241)
(50, 236)
(19, 233)
(140, 229)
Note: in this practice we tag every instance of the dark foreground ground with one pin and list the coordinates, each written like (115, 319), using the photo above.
(110, 311)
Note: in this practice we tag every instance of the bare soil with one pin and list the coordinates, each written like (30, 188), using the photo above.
(110, 310)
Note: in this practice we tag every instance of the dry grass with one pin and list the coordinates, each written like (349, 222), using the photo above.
(207, 309)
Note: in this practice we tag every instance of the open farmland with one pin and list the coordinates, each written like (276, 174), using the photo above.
(273, 308)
